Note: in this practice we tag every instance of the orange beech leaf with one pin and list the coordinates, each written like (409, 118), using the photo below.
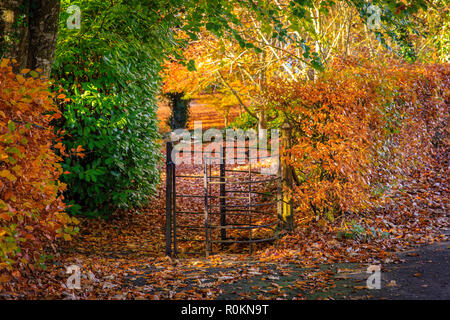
(30, 170)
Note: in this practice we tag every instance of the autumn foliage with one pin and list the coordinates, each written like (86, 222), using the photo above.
(358, 129)
(31, 209)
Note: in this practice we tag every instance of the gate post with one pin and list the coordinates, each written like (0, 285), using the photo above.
(223, 221)
(174, 205)
(286, 208)
(205, 186)
(169, 188)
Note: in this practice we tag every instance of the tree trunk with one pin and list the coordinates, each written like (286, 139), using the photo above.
(28, 32)
(227, 113)
(262, 126)
(262, 117)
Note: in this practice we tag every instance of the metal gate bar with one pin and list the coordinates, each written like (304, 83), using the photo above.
(223, 180)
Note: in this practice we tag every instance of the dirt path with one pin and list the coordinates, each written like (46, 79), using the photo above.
(424, 274)
(421, 274)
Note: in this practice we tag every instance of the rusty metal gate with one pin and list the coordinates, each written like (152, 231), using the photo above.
(229, 206)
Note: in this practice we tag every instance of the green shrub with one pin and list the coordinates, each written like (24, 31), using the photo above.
(111, 78)
(118, 130)
(245, 122)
